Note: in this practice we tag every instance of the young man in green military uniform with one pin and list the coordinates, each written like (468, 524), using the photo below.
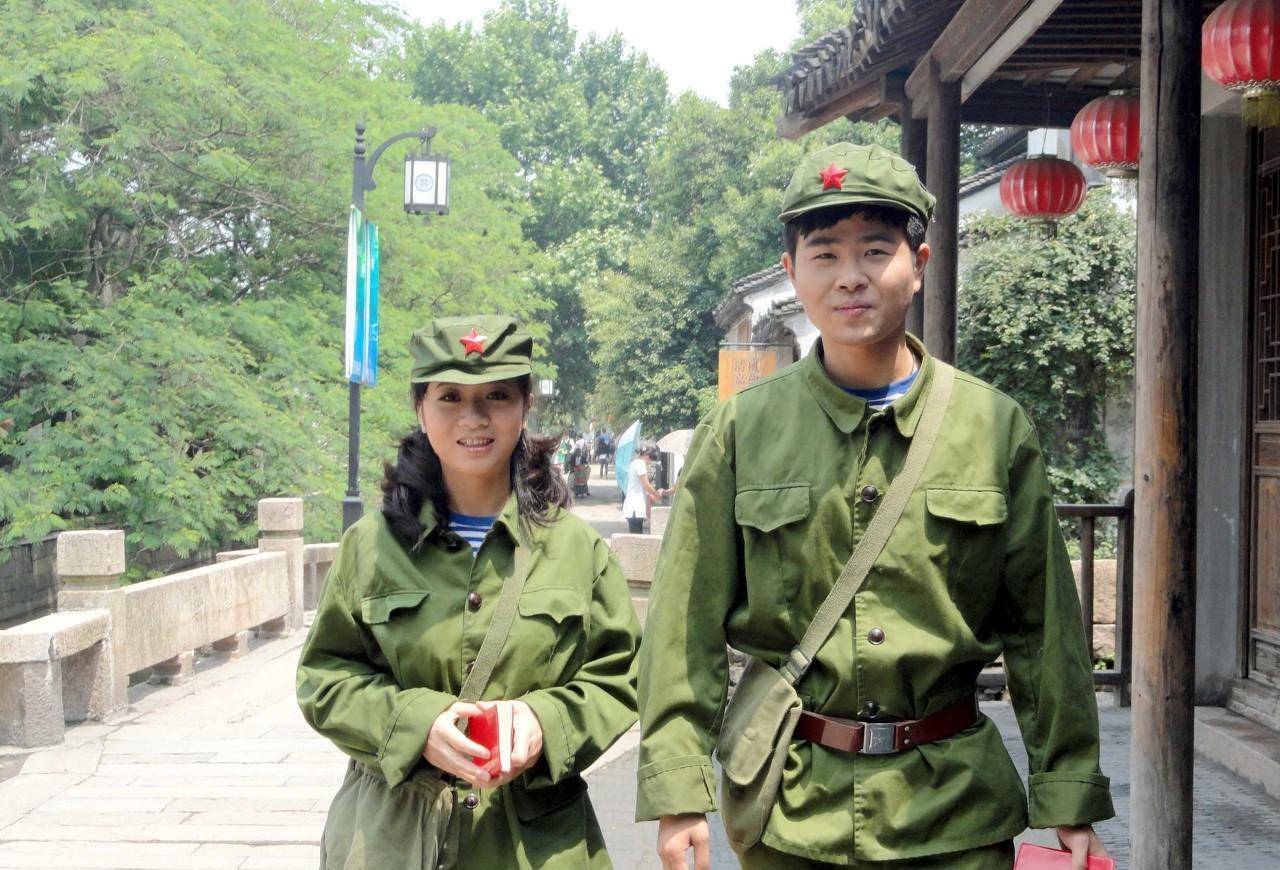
(780, 487)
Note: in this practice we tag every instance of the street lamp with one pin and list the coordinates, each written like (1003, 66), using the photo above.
(426, 183)
(426, 191)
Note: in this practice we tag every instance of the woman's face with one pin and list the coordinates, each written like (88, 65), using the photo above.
(473, 428)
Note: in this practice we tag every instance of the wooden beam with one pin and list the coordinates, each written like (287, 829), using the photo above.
(1017, 33)
(943, 172)
(913, 144)
(1164, 606)
(970, 32)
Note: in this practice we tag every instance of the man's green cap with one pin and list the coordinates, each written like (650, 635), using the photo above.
(844, 173)
(470, 350)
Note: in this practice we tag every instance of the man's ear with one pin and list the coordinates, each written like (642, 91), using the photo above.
(921, 260)
(788, 265)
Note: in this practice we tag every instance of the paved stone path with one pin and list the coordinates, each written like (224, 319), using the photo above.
(223, 773)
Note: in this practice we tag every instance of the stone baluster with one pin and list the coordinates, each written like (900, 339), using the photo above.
(90, 566)
(280, 526)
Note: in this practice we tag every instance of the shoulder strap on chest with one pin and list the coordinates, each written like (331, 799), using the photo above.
(499, 627)
(879, 529)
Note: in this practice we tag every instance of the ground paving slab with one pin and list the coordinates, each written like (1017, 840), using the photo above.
(222, 772)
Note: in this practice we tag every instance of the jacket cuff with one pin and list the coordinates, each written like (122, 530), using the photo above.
(676, 785)
(558, 752)
(1068, 799)
(405, 736)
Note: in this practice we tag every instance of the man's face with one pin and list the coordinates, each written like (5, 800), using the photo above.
(856, 280)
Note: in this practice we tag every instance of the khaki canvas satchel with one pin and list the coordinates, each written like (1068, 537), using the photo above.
(762, 715)
(371, 826)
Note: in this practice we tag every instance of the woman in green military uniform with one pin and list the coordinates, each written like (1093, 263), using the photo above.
(472, 588)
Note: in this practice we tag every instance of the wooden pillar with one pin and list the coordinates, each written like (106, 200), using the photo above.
(1164, 462)
(943, 171)
(913, 141)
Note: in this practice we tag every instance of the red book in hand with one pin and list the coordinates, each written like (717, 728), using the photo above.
(484, 729)
(1033, 857)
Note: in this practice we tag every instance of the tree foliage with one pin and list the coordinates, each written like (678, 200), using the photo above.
(174, 186)
(174, 179)
(1049, 319)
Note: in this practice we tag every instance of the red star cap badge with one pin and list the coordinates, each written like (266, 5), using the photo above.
(833, 176)
(473, 343)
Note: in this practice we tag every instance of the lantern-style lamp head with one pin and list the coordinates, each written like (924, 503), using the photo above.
(426, 182)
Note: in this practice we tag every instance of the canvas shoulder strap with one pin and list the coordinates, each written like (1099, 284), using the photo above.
(878, 530)
(496, 637)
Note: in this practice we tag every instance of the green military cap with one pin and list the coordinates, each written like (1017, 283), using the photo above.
(844, 173)
(470, 350)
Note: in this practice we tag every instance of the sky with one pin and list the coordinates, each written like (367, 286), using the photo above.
(696, 42)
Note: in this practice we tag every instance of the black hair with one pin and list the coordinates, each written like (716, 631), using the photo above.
(909, 223)
(417, 477)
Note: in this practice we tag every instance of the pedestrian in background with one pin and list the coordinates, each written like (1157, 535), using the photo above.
(635, 506)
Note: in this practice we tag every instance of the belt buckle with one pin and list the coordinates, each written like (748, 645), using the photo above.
(877, 738)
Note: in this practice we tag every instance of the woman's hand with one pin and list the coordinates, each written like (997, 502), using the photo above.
(448, 749)
(1081, 842)
(524, 740)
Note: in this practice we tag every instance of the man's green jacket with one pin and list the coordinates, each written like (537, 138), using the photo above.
(778, 488)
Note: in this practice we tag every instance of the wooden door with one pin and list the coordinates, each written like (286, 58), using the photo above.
(1263, 650)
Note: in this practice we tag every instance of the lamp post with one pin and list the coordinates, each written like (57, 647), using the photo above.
(426, 191)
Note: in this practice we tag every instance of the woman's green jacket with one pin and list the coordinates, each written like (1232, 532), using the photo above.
(393, 635)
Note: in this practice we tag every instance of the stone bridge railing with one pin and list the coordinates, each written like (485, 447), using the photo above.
(75, 664)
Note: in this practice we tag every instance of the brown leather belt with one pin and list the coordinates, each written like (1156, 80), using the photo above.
(883, 738)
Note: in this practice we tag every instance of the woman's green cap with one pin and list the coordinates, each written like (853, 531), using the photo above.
(843, 173)
(470, 350)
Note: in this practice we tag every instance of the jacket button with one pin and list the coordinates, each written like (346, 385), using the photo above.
(453, 543)
(876, 635)
(473, 601)
(871, 708)
(471, 801)
(870, 493)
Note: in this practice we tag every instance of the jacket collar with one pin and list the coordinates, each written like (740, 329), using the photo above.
(508, 520)
(847, 411)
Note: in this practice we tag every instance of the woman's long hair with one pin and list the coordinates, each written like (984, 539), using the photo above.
(416, 478)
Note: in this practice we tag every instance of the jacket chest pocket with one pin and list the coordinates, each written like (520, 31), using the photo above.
(965, 531)
(772, 538)
(551, 631)
(398, 622)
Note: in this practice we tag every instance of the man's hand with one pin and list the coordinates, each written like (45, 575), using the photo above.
(678, 834)
(1081, 842)
(449, 749)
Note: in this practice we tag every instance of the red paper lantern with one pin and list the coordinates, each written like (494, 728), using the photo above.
(1104, 135)
(1042, 187)
(1240, 50)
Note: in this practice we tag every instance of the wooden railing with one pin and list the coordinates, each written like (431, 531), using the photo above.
(1119, 676)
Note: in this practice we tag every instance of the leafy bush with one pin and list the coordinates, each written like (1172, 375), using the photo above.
(1048, 317)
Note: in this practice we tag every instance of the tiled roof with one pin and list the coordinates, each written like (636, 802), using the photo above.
(987, 177)
(732, 307)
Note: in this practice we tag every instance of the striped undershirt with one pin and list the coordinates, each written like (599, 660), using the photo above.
(471, 529)
(882, 397)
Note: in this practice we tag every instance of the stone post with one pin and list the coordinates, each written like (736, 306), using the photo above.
(658, 520)
(90, 565)
(280, 525)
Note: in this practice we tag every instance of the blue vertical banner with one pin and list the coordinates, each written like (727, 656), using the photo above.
(362, 300)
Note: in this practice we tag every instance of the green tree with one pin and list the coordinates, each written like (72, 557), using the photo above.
(582, 118)
(1049, 319)
(173, 195)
